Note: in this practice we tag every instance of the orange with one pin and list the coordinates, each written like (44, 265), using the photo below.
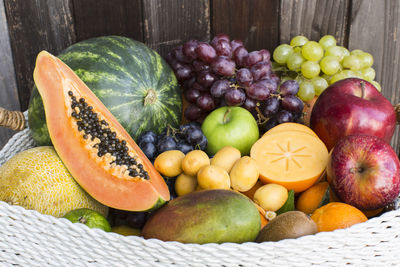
(337, 215)
(250, 193)
(372, 213)
(310, 199)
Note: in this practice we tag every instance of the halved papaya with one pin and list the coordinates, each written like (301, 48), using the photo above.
(95, 148)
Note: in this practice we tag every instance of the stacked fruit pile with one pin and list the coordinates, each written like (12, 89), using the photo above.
(215, 179)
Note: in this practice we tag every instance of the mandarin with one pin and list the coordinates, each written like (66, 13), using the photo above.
(337, 215)
(310, 199)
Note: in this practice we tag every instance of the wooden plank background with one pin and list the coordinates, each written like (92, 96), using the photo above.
(26, 27)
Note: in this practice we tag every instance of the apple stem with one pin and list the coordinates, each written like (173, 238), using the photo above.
(226, 115)
(362, 89)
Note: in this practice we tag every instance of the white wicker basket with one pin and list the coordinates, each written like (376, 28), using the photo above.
(28, 238)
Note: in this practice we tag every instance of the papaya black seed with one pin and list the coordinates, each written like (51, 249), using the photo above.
(70, 93)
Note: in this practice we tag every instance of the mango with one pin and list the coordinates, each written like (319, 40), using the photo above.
(207, 216)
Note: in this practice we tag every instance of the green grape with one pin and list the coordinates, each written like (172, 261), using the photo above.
(320, 84)
(326, 77)
(352, 62)
(350, 73)
(345, 53)
(335, 51)
(294, 61)
(310, 69)
(377, 85)
(367, 60)
(368, 74)
(281, 53)
(312, 51)
(298, 40)
(330, 65)
(337, 77)
(306, 91)
(327, 41)
(356, 52)
(297, 49)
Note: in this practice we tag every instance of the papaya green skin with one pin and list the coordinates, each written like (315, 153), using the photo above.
(121, 72)
(207, 216)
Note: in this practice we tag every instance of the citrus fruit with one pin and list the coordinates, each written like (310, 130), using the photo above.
(311, 199)
(89, 217)
(337, 215)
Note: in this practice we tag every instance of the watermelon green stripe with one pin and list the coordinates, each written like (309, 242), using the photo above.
(121, 72)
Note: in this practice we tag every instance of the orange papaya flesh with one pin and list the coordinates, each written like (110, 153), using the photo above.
(131, 183)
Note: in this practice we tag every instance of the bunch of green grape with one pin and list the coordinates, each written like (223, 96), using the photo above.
(319, 64)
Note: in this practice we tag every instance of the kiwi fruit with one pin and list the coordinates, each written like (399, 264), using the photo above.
(291, 224)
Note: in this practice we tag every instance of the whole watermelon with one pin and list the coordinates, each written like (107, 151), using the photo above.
(132, 80)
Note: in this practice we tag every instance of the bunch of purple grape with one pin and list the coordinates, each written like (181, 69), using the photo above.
(224, 73)
(187, 138)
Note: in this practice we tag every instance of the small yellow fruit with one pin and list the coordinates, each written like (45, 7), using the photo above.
(244, 174)
(169, 163)
(185, 184)
(271, 197)
(193, 161)
(226, 158)
(213, 177)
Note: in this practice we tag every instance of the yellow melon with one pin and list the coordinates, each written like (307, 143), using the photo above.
(37, 179)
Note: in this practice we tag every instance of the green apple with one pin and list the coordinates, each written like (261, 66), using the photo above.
(230, 126)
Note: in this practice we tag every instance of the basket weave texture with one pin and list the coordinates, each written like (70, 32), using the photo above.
(28, 238)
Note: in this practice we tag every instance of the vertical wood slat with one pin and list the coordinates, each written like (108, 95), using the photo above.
(104, 17)
(36, 25)
(314, 19)
(374, 28)
(255, 22)
(173, 22)
(8, 85)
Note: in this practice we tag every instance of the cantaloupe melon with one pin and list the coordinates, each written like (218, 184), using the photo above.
(37, 179)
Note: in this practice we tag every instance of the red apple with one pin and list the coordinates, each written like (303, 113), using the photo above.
(352, 106)
(364, 171)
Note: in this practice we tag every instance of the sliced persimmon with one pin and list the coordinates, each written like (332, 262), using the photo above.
(293, 159)
(291, 126)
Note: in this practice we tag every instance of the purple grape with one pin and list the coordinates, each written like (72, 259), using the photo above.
(149, 149)
(258, 91)
(270, 106)
(219, 37)
(249, 104)
(289, 87)
(175, 64)
(271, 123)
(148, 137)
(166, 143)
(193, 136)
(169, 58)
(189, 83)
(193, 112)
(191, 95)
(235, 44)
(223, 66)
(275, 78)
(199, 87)
(244, 77)
(292, 103)
(270, 84)
(252, 58)
(205, 102)
(222, 103)
(184, 147)
(184, 73)
(206, 79)
(223, 48)
(203, 143)
(284, 116)
(239, 55)
(260, 70)
(177, 52)
(266, 55)
(235, 97)
(200, 66)
(219, 88)
(205, 52)
(189, 49)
